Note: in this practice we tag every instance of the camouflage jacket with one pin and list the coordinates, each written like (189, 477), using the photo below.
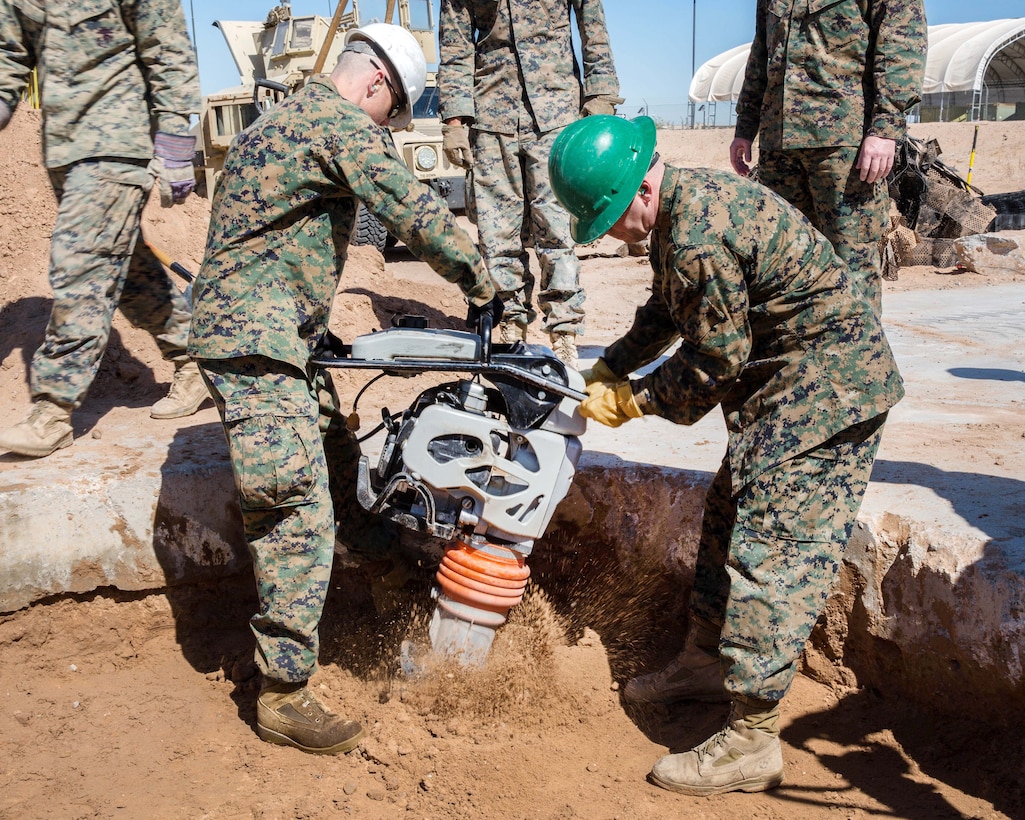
(495, 53)
(111, 72)
(282, 215)
(826, 73)
(769, 324)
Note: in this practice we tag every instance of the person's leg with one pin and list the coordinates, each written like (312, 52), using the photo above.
(270, 415)
(561, 297)
(793, 523)
(853, 215)
(499, 196)
(98, 206)
(271, 422)
(93, 238)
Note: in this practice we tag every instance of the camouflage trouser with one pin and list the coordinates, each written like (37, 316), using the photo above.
(293, 460)
(768, 557)
(823, 184)
(516, 206)
(96, 266)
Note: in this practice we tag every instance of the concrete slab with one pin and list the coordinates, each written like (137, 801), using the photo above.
(932, 597)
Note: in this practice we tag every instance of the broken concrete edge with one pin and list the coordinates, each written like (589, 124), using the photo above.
(929, 615)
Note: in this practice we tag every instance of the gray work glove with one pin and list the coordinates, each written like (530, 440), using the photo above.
(600, 104)
(173, 165)
(456, 143)
(5, 115)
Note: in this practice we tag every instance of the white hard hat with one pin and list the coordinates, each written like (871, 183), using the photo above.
(404, 58)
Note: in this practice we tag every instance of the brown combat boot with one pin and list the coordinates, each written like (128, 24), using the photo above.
(289, 714)
(511, 331)
(745, 755)
(188, 391)
(47, 428)
(564, 346)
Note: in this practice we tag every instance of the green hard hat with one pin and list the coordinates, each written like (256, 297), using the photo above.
(596, 167)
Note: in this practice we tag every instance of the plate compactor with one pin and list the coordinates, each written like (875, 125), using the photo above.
(480, 463)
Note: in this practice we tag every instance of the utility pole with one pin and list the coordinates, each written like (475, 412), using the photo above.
(693, 51)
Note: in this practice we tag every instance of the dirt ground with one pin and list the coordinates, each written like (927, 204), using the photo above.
(142, 705)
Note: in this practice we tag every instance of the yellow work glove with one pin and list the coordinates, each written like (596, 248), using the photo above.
(610, 404)
(455, 142)
(600, 104)
(599, 372)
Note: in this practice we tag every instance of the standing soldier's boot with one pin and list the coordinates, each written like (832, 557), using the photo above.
(188, 391)
(47, 428)
(289, 714)
(564, 346)
(745, 755)
(510, 331)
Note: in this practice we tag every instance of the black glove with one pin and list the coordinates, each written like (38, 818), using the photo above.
(495, 309)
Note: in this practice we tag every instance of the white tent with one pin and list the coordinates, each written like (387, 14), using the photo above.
(970, 65)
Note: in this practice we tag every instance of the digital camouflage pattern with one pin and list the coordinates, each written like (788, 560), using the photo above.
(97, 265)
(771, 328)
(514, 198)
(498, 57)
(823, 73)
(113, 72)
(110, 73)
(293, 460)
(509, 70)
(852, 216)
(769, 323)
(768, 557)
(282, 217)
(821, 76)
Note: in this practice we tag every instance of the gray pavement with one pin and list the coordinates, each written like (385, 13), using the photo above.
(939, 557)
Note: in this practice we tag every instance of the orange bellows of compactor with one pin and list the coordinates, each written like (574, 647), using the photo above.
(478, 587)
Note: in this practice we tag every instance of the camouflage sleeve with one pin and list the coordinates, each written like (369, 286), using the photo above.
(17, 53)
(413, 213)
(752, 92)
(900, 41)
(708, 304)
(595, 48)
(456, 29)
(167, 60)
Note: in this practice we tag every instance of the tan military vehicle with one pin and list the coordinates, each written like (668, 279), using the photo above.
(275, 58)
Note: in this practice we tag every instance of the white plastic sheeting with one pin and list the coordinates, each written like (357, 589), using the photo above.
(963, 57)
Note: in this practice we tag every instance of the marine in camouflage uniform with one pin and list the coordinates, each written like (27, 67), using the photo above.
(113, 75)
(283, 214)
(822, 77)
(509, 71)
(771, 328)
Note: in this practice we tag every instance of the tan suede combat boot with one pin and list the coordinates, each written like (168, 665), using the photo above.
(511, 331)
(745, 755)
(694, 674)
(289, 714)
(47, 428)
(188, 391)
(564, 346)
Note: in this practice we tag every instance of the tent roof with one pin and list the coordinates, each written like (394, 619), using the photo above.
(961, 57)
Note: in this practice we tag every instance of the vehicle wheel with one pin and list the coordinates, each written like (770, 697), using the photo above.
(369, 230)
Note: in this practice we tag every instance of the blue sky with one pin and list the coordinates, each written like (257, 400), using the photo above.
(651, 39)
